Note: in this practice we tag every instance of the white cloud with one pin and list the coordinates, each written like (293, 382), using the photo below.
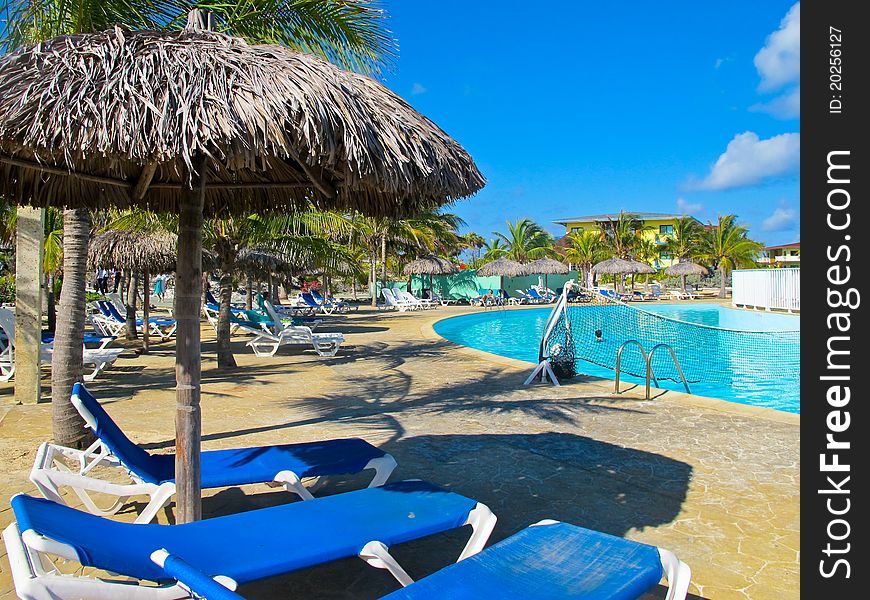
(783, 218)
(779, 61)
(687, 208)
(417, 89)
(787, 106)
(749, 160)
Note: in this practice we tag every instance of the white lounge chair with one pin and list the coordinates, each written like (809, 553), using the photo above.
(269, 336)
(397, 302)
(420, 303)
(681, 295)
(98, 358)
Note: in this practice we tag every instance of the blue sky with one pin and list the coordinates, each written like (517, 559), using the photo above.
(572, 107)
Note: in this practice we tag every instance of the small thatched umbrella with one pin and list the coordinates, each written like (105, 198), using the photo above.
(264, 265)
(502, 267)
(614, 266)
(135, 252)
(430, 265)
(196, 122)
(546, 266)
(685, 268)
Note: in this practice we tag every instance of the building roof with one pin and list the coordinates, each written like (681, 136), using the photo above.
(784, 246)
(614, 216)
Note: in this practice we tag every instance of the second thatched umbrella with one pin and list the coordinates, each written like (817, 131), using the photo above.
(502, 267)
(135, 252)
(430, 265)
(614, 266)
(546, 266)
(248, 128)
(683, 269)
(264, 265)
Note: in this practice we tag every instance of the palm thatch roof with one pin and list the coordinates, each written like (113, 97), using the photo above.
(430, 265)
(546, 266)
(686, 268)
(263, 264)
(503, 267)
(641, 267)
(137, 251)
(613, 266)
(119, 118)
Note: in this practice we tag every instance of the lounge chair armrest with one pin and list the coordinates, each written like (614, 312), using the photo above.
(219, 587)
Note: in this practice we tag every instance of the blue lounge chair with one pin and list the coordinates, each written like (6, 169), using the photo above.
(100, 341)
(243, 547)
(342, 305)
(113, 322)
(326, 308)
(542, 562)
(154, 474)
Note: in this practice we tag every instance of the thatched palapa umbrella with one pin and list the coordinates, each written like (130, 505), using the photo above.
(430, 265)
(682, 269)
(264, 265)
(135, 252)
(614, 266)
(502, 267)
(546, 266)
(193, 122)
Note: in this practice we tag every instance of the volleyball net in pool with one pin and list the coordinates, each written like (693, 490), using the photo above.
(594, 332)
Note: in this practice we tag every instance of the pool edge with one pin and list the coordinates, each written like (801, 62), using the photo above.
(427, 330)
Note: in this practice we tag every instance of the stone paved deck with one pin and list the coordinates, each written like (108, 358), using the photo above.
(715, 482)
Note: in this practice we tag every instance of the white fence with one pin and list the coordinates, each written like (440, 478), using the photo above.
(767, 288)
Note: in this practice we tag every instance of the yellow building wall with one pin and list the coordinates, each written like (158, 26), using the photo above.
(653, 233)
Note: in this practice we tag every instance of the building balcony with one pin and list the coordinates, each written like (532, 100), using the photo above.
(787, 258)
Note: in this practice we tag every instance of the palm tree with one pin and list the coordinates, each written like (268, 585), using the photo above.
(526, 240)
(494, 249)
(685, 241)
(623, 234)
(586, 249)
(348, 33)
(474, 242)
(727, 246)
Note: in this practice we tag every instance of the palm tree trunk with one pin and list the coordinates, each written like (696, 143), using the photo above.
(722, 275)
(131, 306)
(225, 358)
(683, 282)
(188, 355)
(68, 427)
(273, 289)
(146, 311)
(249, 293)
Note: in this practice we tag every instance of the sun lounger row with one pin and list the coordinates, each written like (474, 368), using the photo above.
(208, 559)
(98, 359)
(401, 300)
(273, 332)
(110, 322)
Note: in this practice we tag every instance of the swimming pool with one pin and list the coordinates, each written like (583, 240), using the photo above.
(763, 371)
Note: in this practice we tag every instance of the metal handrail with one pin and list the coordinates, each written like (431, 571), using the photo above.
(619, 362)
(649, 372)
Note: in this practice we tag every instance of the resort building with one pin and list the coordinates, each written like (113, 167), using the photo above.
(785, 255)
(660, 227)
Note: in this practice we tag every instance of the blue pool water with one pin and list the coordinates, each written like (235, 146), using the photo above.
(751, 373)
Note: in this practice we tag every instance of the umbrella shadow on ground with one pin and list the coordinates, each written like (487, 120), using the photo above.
(523, 478)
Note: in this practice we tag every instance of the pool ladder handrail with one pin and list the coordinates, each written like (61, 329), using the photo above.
(648, 360)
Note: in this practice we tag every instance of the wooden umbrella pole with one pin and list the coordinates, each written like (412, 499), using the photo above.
(188, 362)
(146, 311)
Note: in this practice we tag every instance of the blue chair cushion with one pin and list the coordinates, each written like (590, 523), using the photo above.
(547, 562)
(255, 544)
(234, 466)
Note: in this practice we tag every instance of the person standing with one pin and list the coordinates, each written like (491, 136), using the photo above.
(160, 287)
(117, 281)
